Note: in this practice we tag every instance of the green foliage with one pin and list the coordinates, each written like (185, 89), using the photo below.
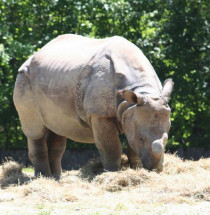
(173, 34)
(186, 38)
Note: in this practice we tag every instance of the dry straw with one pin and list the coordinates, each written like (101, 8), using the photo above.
(180, 181)
(11, 173)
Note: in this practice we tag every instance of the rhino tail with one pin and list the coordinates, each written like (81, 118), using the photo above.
(25, 66)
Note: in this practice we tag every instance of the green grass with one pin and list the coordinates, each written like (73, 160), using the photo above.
(28, 170)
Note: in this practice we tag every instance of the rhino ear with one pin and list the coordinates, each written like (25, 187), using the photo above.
(131, 97)
(167, 88)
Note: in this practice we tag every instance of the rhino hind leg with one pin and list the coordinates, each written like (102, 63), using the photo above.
(32, 125)
(133, 158)
(56, 147)
(107, 141)
(38, 155)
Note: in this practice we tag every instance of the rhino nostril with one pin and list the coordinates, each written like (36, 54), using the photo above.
(157, 147)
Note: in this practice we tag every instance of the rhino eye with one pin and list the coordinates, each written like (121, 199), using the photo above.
(141, 140)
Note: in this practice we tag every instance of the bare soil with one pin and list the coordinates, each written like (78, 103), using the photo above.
(183, 187)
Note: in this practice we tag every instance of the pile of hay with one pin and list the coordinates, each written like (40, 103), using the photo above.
(116, 181)
(180, 181)
(11, 173)
(187, 178)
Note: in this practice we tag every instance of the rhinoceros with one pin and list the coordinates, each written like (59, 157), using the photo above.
(91, 91)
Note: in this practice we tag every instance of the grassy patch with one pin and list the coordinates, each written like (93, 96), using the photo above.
(28, 170)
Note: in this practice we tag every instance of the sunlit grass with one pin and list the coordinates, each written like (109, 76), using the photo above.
(28, 170)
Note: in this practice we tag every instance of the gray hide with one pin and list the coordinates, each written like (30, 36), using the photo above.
(91, 90)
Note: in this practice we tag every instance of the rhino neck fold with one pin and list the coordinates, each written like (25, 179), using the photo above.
(80, 90)
(122, 107)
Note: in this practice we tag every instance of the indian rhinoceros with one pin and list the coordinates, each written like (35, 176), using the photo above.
(92, 90)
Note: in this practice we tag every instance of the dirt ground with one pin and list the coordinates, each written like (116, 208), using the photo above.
(182, 188)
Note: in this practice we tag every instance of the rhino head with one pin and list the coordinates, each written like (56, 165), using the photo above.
(146, 125)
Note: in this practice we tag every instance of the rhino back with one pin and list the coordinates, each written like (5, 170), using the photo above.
(73, 77)
(133, 70)
(117, 64)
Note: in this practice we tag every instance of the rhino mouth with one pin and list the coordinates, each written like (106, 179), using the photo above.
(150, 167)
(153, 164)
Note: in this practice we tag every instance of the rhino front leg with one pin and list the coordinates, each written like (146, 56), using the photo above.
(38, 155)
(133, 158)
(56, 148)
(107, 141)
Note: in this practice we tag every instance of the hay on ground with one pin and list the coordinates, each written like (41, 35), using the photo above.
(11, 173)
(179, 182)
(94, 167)
(116, 181)
(91, 169)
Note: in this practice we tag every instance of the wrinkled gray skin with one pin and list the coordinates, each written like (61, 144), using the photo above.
(92, 90)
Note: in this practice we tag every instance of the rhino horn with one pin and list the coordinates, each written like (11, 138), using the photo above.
(157, 147)
(132, 97)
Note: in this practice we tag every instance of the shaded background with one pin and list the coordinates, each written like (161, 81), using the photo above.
(173, 34)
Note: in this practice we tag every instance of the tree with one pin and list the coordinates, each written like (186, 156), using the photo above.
(173, 34)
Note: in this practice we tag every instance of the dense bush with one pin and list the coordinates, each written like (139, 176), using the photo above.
(173, 34)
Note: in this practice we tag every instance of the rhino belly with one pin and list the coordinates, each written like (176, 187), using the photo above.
(59, 115)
